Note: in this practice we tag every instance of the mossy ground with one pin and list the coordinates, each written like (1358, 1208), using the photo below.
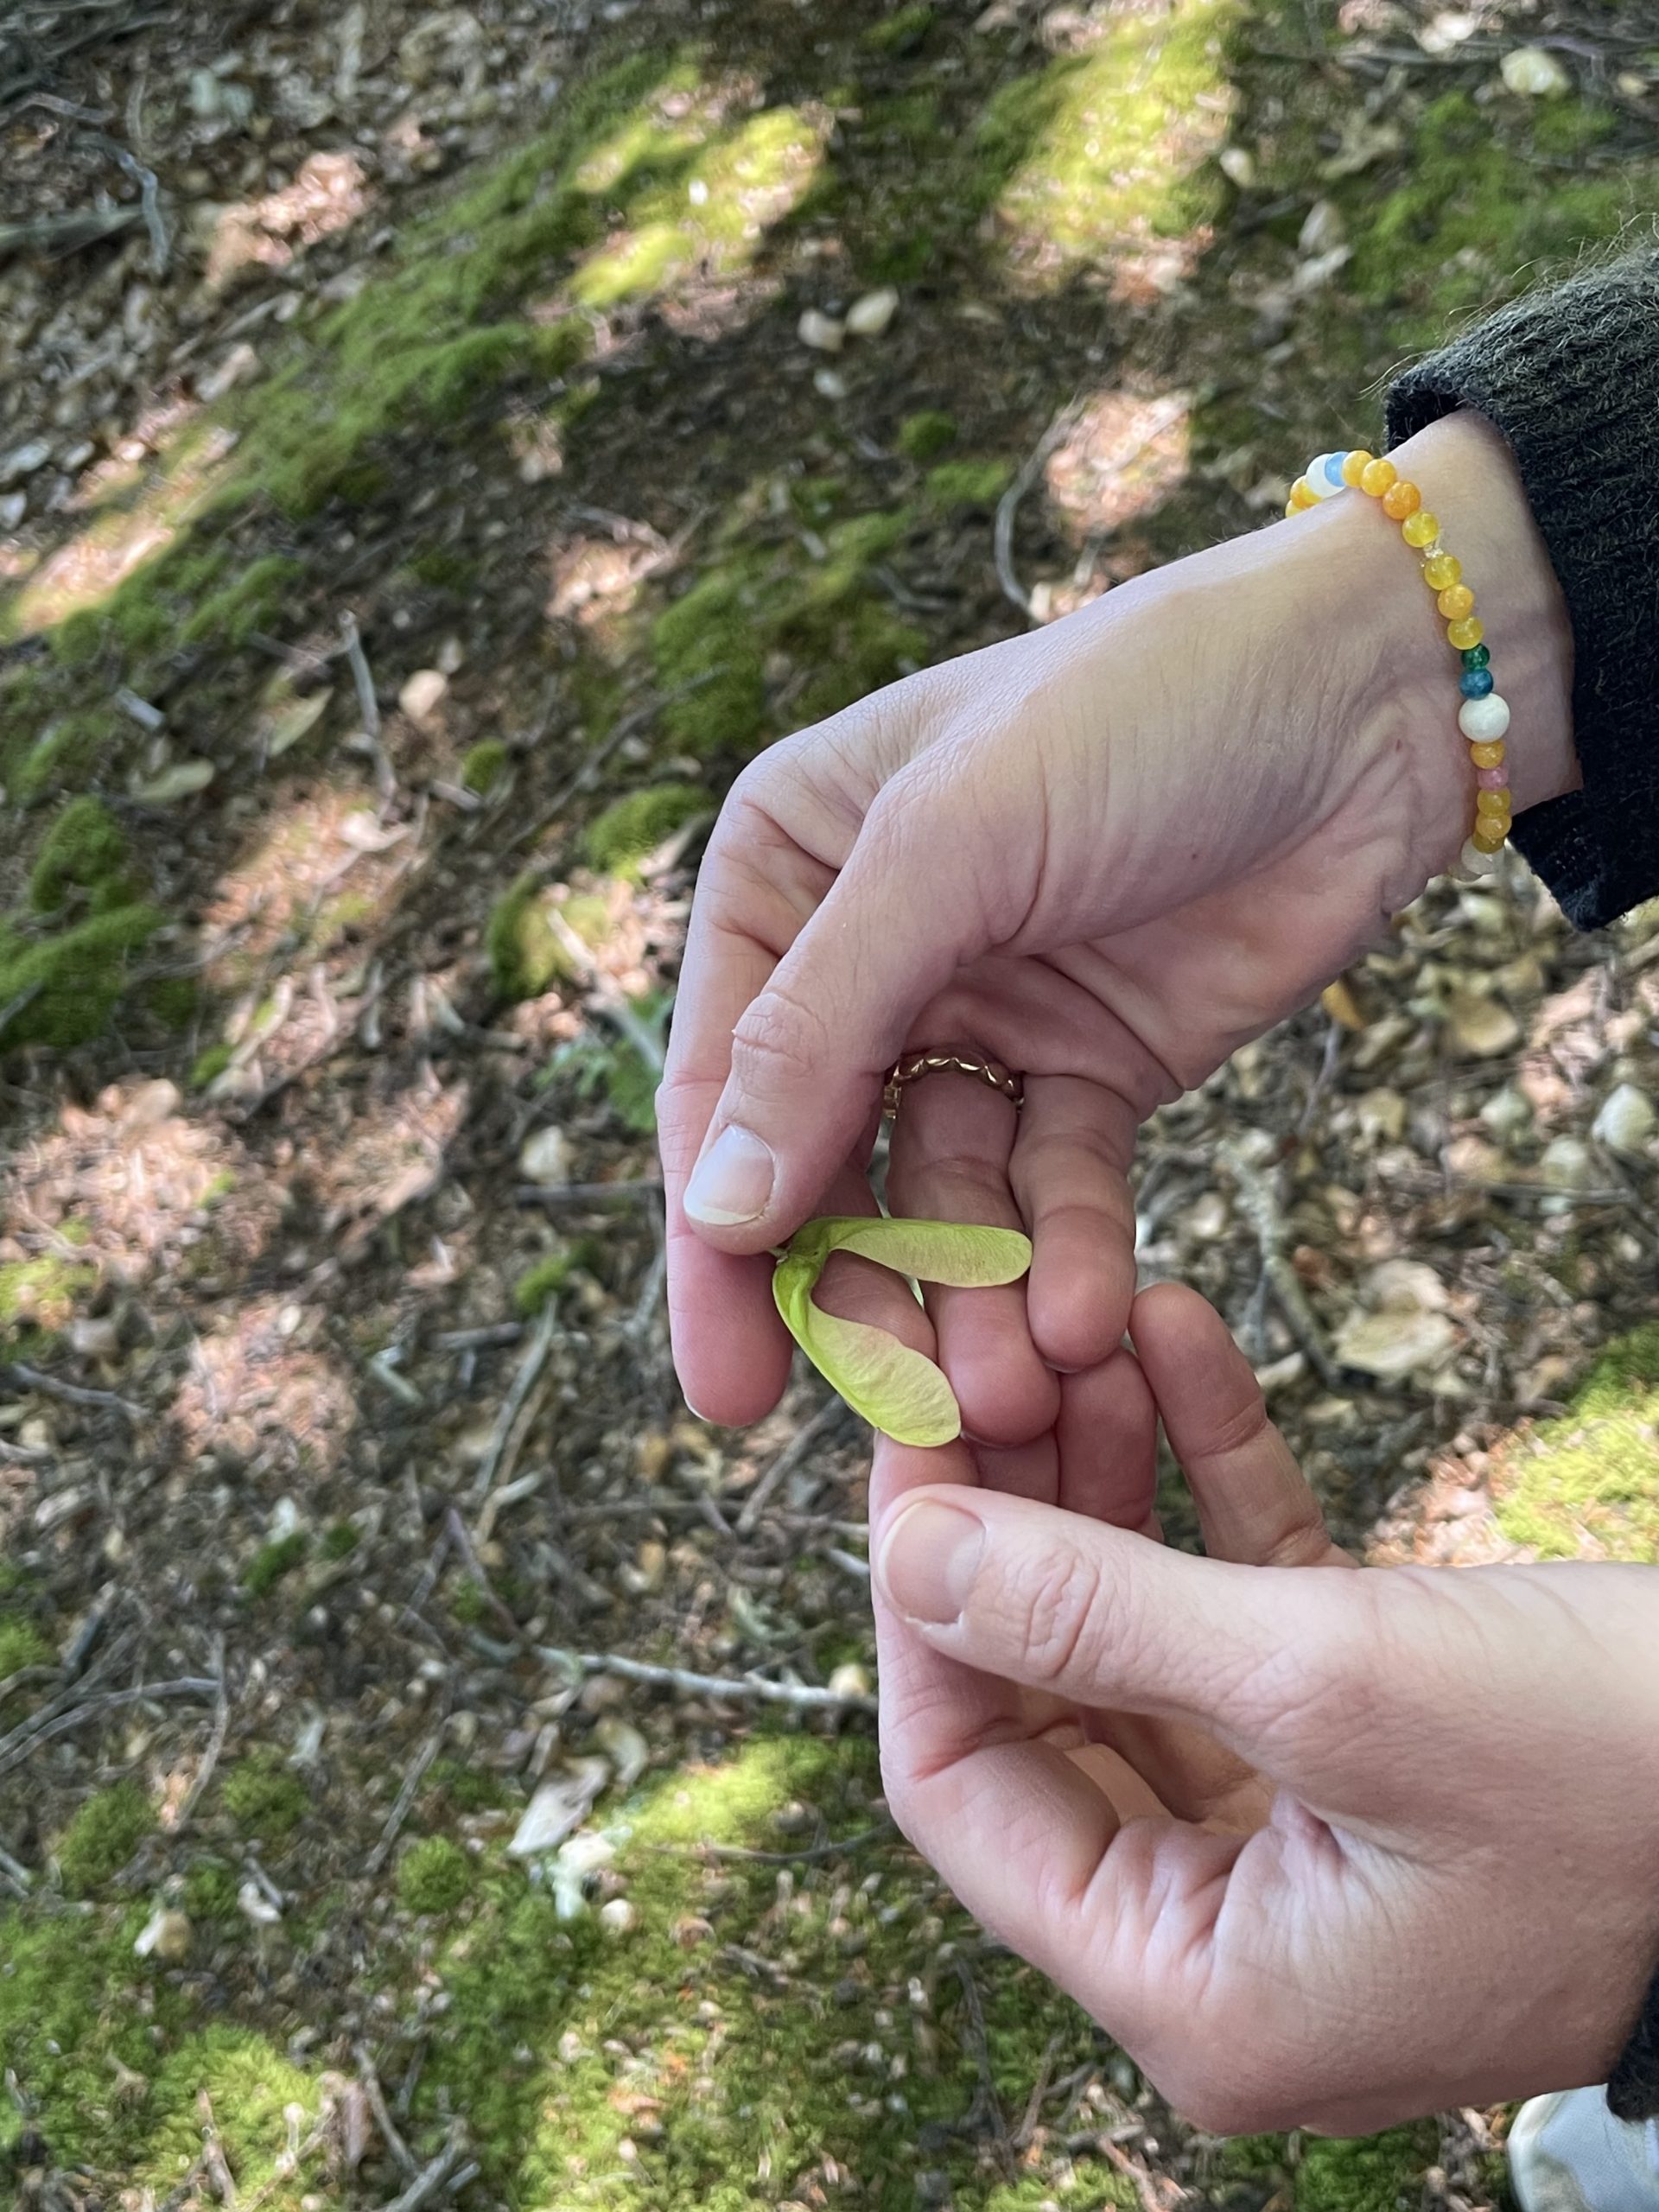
(1586, 1485)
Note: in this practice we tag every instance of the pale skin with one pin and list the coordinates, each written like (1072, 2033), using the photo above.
(1107, 855)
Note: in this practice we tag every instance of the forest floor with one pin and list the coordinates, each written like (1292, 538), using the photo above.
(435, 453)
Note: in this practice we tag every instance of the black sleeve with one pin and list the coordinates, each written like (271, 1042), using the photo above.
(1571, 378)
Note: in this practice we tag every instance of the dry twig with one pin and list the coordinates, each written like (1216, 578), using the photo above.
(737, 1688)
(822, 1426)
(497, 1459)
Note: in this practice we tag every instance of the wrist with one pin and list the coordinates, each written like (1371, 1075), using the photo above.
(1403, 674)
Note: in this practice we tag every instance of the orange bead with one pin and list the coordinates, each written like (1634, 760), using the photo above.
(1421, 527)
(1354, 467)
(1301, 496)
(1442, 570)
(1455, 600)
(1484, 843)
(1494, 803)
(1489, 755)
(1467, 631)
(1376, 476)
(1401, 500)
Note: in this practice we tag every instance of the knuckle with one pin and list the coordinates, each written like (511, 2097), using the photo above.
(777, 1041)
(1059, 1626)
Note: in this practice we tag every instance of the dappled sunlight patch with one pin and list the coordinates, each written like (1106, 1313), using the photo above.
(710, 216)
(383, 1155)
(329, 192)
(258, 1388)
(1122, 456)
(1127, 120)
(320, 849)
(596, 580)
(121, 537)
(131, 1182)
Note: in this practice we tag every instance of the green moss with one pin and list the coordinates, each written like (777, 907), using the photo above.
(525, 958)
(969, 483)
(1371, 2173)
(434, 1876)
(84, 850)
(1586, 1485)
(66, 752)
(40, 1295)
(21, 1645)
(923, 436)
(1476, 216)
(547, 1277)
(442, 568)
(902, 31)
(62, 990)
(209, 1065)
(264, 1795)
(255, 601)
(465, 1789)
(340, 1538)
(635, 826)
(249, 2086)
(79, 639)
(709, 656)
(273, 1560)
(1107, 148)
(469, 1603)
(103, 1836)
(484, 766)
(210, 1893)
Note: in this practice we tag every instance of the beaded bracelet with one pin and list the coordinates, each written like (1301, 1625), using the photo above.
(1484, 716)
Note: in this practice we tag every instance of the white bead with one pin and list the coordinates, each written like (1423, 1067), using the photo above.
(1482, 721)
(1318, 482)
(1475, 862)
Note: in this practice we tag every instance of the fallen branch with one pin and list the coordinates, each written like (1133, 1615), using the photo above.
(823, 1423)
(809, 1854)
(496, 1459)
(16, 1747)
(72, 1394)
(736, 1688)
(402, 2155)
(441, 2178)
(68, 232)
(1008, 507)
(1264, 1213)
(399, 1812)
(215, 1742)
(368, 706)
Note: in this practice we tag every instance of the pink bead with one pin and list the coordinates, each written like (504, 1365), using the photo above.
(1492, 780)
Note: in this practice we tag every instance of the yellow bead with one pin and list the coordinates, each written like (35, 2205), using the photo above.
(1422, 528)
(1376, 476)
(1301, 496)
(1492, 843)
(1456, 601)
(1401, 500)
(1442, 571)
(1354, 467)
(1489, 755)
(1466, 632)
(1494, 803)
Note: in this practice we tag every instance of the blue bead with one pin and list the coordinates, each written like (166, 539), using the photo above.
(1333, 468)
(1475, 683)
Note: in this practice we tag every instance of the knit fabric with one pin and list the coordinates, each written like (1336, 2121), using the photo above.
(1571, 378)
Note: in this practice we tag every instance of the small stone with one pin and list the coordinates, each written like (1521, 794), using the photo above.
(1404, 1287)
(651, 1564)
(1207, 1217)
(1625, 1122)
(618, 1917)
(560, 1804)
(24, 460)
(1237, 165)
(1507, 1113)
(545, 1157)
(821, 332)
(423, 695)
(1394, 1344)
(240, 366)
(849, 1679)
(75, 458)
(830, 383)
(1323, 229)
(254, 1906)
(869, 316)
(1568, 1164)
(14, 505)
(626, 1748)
(1381, 1116)
(94, 1338)
(1480, 1028)
(183, 779)
(1534, 73)
(166, 1936)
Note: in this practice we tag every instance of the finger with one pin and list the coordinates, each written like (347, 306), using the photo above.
(1069, 1171)
(807, 1050)
(951, 1141)
(1106, 1439)
(1072, 1607)
(1253, 1503)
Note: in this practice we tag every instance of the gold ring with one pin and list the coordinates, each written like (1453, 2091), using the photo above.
(914, 1066)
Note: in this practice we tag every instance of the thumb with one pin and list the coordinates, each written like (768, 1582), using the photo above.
(808, 1053)
(1110, 1619)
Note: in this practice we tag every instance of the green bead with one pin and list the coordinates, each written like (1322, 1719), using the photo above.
(1476, 656)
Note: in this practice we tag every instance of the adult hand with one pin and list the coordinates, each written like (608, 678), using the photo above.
(1318, 1847)
(1106, 854)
